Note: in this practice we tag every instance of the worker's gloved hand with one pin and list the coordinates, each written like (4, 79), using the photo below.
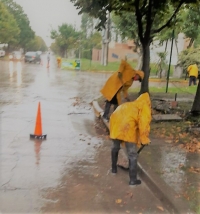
(146, 144)
(120, 75)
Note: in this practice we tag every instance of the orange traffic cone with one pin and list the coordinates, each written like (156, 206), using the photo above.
(38, 126)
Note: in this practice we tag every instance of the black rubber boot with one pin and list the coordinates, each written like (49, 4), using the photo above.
(133, 172)
(107, 110)
(114, 158)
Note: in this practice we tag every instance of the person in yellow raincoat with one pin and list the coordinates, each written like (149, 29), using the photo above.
(119, 82)
(193, 74)
(59, 61)
(130, 123)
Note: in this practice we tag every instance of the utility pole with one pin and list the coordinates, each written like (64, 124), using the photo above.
(105, 42)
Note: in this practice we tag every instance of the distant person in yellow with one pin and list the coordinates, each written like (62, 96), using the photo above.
(59, 61)
(193, 74)
(130, 123)
(119, 82)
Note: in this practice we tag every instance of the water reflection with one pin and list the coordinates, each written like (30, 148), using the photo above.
(11, 69)
(37, 146)
(19, 73)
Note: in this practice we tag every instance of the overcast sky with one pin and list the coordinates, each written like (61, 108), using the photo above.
(45, 15)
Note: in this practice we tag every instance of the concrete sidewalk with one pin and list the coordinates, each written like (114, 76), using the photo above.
(159, 167)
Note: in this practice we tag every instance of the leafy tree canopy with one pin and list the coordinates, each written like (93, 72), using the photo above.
(66, 37)
(188, 57)
(149, 16)
(191, 23)
(26, 33)
(8, 26)
(37, 44)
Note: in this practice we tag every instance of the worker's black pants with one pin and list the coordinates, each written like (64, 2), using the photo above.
(193, 80)
(132, 157)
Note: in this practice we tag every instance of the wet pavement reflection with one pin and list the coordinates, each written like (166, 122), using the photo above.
(33, 170)
(30, 166)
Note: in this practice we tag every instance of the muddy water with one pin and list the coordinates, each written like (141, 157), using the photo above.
(69, 171)
(29, 166)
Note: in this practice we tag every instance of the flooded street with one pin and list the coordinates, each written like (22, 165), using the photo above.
(69, 172)
(29, 166)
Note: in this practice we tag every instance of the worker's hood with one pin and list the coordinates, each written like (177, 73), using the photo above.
(142, 100)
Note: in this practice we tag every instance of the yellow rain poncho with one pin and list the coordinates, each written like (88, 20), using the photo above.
(114, 84)
(59, 61)
(193, 70)
(130, 122)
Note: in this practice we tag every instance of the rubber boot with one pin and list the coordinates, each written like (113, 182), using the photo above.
(133, 172)
(114, 158)
(107, 110)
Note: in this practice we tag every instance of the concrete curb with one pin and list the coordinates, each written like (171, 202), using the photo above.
(159, 188)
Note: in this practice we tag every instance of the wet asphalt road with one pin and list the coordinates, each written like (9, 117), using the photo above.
(69, 171)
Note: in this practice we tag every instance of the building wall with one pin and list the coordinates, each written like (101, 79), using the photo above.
(181, 45)
(116, 52)
(96, 55)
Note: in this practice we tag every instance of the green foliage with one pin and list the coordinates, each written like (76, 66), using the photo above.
(188, 57)
(66, 38)
(197, 42)
(155, 69)
(54, 47)
(191, 24)
(37, 44)
(90, 38)
(151, 18)
(162, 63)
(126, 24)
(86, 45)
(8, 26)
(26, 33)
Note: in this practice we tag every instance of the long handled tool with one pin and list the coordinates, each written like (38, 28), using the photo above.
(127, 168)
(141, 148)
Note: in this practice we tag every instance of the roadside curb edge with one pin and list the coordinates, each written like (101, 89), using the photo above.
(165, 193)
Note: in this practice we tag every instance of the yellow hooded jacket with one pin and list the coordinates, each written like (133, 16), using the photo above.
(193, 70)
(130, 122)
(114, 83)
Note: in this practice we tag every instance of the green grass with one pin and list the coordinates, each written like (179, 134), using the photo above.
(173, 90)
(88, 65)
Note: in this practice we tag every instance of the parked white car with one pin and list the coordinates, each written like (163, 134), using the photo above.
(2, 53)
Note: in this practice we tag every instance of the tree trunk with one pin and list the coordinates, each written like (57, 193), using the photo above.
(176, 44)
(145, 67)
(190, 43)
(140, 61)
(196, 103)
(166, 45)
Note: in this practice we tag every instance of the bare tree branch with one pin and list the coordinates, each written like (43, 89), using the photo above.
(169, 21)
